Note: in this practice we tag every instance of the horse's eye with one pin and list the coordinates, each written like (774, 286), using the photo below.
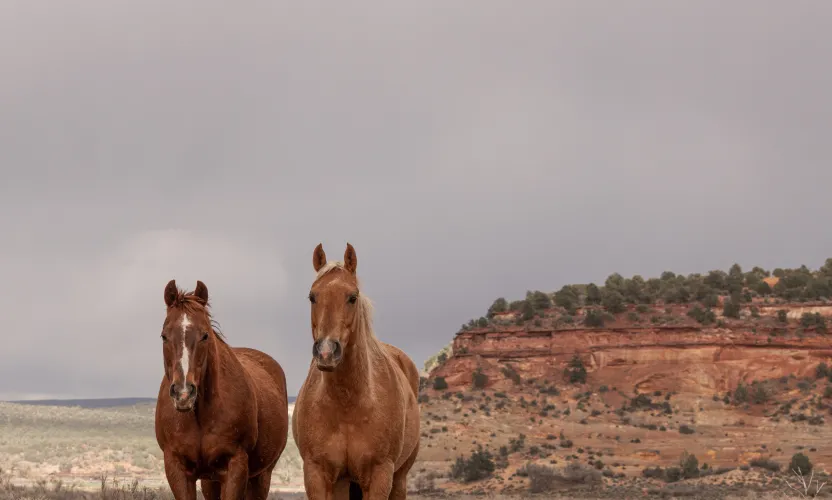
(353, 298)
(312, 298)
(204, 337)
(164, 338)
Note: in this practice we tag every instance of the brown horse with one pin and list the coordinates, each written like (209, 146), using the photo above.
(356, 418)
(222, 412)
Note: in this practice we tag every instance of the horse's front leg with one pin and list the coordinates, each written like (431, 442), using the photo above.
(318, 481)
(181, 484)
(236, 478)
(379, 482)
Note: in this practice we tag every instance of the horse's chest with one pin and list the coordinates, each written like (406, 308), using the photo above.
(205, 456)
(349, 443)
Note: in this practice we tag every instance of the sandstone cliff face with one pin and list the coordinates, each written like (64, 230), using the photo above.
(682, 358)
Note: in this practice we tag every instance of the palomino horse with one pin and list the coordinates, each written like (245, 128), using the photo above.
(222, 412)
(356, 418)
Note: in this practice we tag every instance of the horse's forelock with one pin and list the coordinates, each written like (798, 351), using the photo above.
(188, 302)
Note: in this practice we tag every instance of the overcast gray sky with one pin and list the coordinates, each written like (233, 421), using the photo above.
(468, 150)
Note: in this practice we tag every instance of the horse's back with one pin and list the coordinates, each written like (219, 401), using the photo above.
(407, 366)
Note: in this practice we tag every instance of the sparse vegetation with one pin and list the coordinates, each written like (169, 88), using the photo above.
(734, 289)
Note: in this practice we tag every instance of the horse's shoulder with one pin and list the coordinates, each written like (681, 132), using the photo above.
(398, 358)
(248, 355)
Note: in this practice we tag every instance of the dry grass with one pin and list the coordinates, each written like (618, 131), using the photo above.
(109, 489)
(77, 446)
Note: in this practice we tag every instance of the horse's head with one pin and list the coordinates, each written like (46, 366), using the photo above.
(336, 307)
(187, 334)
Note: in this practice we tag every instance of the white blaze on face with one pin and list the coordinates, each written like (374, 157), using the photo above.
(184, 361)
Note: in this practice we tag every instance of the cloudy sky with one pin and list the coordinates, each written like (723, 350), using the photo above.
(468, 150)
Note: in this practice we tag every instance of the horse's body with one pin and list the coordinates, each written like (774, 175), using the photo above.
(356, 419)
(232, 434)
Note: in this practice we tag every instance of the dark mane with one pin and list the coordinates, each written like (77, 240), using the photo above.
(191, 304)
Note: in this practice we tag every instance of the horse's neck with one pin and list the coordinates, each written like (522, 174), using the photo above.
(221, 367)
(355, 374)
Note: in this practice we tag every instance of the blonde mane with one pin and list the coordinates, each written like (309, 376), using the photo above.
(363, 324)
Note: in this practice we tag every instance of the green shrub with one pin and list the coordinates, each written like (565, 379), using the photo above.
(760, 394)
(703, 316)
(440, 384)
(479, 466)
(594, 318)
(816, 321)
(542, 479)
(740, 394)
(511, 374)
(479, 379)
(689, 465)
(593, 295)
(498, 306)
(575, 372)
(710, 300)
(766, 463)
(613, 302)
(566, 297)
(540, 301)
(731, 308)
(762, 288)
(566, 319)
(800, 463)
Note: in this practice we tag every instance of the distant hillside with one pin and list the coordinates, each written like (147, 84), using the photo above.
(95, 403)
(87, 403)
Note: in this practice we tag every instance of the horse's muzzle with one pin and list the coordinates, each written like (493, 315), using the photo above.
(327, 353)
(184, 397)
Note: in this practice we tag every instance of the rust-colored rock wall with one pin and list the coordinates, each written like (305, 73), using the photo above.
(677, 358)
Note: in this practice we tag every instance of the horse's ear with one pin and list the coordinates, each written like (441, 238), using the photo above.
(171, 293)
(201, 291)
(318, 257)
(350, 260)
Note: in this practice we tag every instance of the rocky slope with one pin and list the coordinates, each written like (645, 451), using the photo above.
(730, 367)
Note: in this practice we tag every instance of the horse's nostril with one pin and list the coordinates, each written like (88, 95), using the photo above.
(191, 390)
(315, 347)
(173, 390)
(336, 350)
